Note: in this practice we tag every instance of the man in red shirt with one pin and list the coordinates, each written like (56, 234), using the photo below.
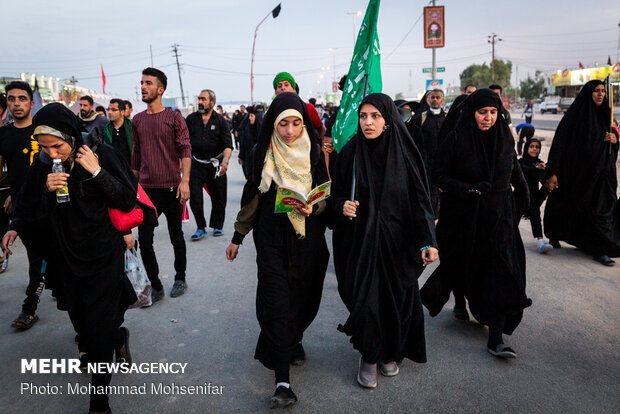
(161, 144)
(284, 82)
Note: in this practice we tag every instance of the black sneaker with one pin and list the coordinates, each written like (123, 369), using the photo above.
(178, 288)
(157, 295)
(283, 397)
(555, 243)
(299, 355)
(604, 260)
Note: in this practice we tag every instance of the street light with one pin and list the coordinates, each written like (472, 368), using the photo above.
(331, 49)
(275, 12)
(355, 14)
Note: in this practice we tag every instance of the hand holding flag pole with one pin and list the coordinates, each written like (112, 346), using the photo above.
(353, 180)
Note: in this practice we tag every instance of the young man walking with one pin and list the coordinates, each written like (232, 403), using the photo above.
(162, 161)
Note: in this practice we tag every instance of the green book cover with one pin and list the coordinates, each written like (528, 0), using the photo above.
(287, 197)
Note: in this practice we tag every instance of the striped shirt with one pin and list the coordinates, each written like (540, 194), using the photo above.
(160, 141)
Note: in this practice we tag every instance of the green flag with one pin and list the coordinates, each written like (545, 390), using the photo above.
(366, 61)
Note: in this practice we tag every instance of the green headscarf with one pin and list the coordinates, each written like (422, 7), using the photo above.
(283, 76)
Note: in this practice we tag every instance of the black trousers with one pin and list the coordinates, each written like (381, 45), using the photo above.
(96, 307)
(536, 201)
(204, 174)
(165, 201)
(36, 282)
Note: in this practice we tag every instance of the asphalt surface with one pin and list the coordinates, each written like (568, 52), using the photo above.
(568, 343)
(540, 121)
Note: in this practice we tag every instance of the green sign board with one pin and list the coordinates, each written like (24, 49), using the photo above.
(429, 70)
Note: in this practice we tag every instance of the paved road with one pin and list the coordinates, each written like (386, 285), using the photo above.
(568, 344)
(545, 121)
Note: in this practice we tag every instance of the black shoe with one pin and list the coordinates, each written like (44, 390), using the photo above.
(604, 260)
(555, 243)
(460, 313)
(83, 363)
(157, 295)
(299, 355)
(123, 355)
(283, 397)
(178, 288)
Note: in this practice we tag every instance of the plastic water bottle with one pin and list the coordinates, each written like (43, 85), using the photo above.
(62, 194)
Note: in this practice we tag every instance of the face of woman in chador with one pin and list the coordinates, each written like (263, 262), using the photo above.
(372, 122)
(533, 150)
(290, 128)
(55, 147)
(598, 94)
(486, 117)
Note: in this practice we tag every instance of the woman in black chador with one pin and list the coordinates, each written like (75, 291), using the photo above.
(482, 253)
(86, 252)
(382, 240)
(583, 208)
(291, 252)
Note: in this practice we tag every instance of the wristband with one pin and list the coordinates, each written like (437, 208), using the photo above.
(425, 247)
(96, 172)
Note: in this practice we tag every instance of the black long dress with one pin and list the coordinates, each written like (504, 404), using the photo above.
(86, 251)
(480, 249)
(291, 270)
(377, 254)
(584, 209)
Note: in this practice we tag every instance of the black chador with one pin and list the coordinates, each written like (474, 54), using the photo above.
(584, 210)
(291, 251)
(86, 252)
(377, 253)
(480, 248)
(429, 124)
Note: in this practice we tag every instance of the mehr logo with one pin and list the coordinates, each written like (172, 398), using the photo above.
(51, 366)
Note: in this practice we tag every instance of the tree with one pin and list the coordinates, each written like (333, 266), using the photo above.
(399, 95)
(532, 88)
(480, 75)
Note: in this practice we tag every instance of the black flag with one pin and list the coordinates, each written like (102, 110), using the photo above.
(608, 60)
(275, 12)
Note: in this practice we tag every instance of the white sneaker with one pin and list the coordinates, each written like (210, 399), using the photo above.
(544, 247)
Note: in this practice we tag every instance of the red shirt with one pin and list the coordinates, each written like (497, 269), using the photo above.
(159, 142)
(314, 116)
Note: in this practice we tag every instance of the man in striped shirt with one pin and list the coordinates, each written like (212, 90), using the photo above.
(161, 145)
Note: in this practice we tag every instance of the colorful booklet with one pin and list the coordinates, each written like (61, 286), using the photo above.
(288, 197)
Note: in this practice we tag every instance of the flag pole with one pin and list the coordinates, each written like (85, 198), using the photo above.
(610, 97)
(353, 181)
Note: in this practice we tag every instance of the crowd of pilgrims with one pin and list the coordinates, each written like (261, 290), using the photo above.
(415, 184)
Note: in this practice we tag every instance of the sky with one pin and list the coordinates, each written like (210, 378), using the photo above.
(75, 37)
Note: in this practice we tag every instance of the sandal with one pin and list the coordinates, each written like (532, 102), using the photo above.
(24, 321)
(4, 264)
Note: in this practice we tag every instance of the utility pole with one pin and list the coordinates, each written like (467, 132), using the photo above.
(151, 49)
(410, 88)
(175, 49)
(492, 40)
(434, 65)
(618, 47)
